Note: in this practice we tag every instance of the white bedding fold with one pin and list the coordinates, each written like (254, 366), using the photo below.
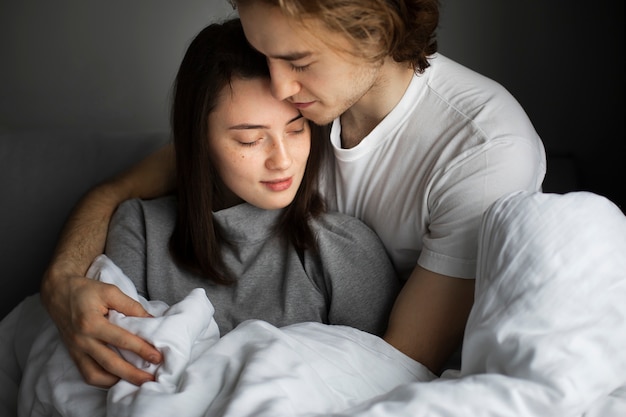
(256, 369)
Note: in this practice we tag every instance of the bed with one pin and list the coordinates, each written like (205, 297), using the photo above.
(546, 337)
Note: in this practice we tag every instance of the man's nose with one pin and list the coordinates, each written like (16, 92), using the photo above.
(283, 82)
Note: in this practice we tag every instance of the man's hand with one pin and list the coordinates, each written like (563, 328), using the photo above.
(79, 307)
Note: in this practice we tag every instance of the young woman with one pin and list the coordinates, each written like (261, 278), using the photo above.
(248, 224)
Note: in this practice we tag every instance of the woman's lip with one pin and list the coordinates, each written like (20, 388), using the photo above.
(278, 185)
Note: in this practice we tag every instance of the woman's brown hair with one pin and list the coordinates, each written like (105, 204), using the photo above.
(216, 55)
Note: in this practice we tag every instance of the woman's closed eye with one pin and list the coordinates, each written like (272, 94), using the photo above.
(296, 126)
(249, 143)
(296, 131)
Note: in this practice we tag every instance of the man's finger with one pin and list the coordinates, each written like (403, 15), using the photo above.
(123, 339)
(92, 373)
(116, 300)
(110, 362)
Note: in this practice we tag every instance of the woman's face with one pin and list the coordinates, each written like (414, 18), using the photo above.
(260, 145)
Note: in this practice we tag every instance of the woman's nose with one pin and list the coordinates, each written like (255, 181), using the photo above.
(279, 157)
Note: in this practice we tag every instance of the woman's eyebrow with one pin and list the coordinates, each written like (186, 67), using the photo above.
(247, 126)
(251, 126)
(294, 119)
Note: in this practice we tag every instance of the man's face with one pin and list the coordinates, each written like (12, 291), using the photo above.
(320, 81)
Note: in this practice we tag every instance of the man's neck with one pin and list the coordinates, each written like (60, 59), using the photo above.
(360, 119)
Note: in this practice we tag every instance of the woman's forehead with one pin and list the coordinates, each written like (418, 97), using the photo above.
(249, 100)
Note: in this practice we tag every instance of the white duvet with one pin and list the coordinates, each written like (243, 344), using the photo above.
(256, 369)
(546, 337)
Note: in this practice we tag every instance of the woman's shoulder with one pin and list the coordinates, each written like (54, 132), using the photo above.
(159, 211)
(165, 204)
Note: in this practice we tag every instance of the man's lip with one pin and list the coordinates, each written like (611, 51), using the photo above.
(299, 105)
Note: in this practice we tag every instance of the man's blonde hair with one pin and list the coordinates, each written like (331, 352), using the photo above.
(401, 29)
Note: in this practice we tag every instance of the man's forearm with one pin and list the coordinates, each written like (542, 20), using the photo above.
(428, 319)
(83, 238)
(84, 235)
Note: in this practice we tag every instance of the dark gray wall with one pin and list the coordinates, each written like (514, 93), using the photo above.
(109, 65)
(564, 61)
(93, 64)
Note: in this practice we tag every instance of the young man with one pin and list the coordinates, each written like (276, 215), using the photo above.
(422, 146)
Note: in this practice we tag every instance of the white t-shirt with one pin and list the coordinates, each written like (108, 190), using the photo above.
(423, 177)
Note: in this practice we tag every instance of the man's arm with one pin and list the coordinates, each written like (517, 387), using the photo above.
(78, 305)
(428, 319)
